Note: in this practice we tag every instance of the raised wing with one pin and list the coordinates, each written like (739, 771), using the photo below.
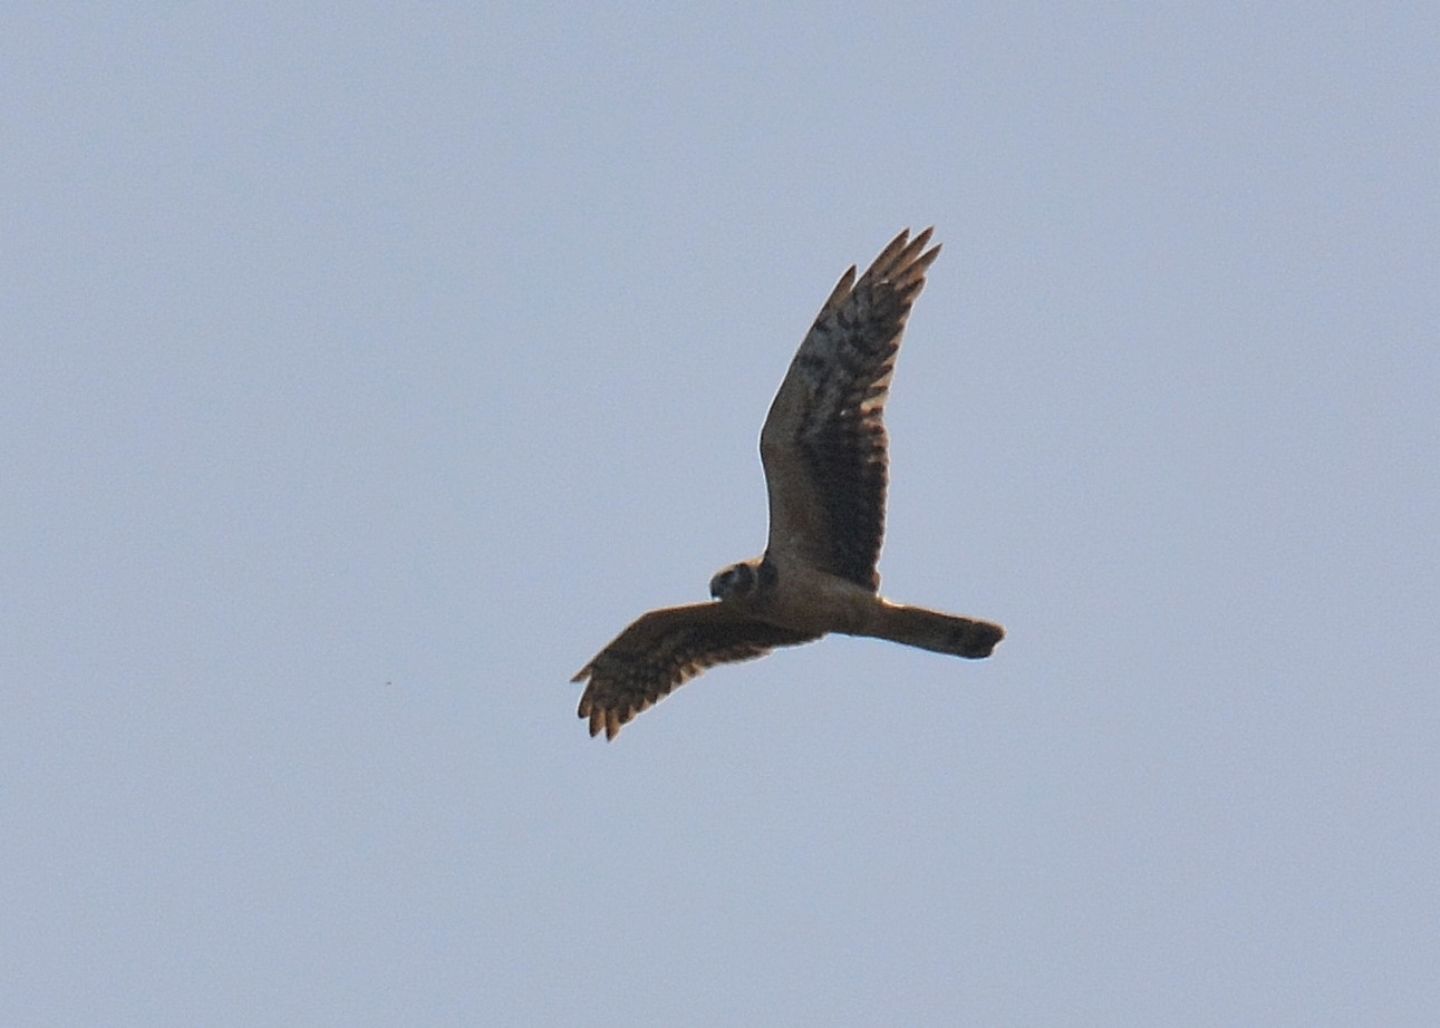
(662, 650)
(824, 442)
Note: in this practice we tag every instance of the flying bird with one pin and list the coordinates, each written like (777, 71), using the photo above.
(823, 448)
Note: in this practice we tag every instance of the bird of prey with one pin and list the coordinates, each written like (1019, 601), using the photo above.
(823, 448)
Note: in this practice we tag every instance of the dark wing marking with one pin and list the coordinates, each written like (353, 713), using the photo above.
(662, 650)
(824, 443)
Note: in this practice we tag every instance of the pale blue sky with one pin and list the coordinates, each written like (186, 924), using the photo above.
(366, 368)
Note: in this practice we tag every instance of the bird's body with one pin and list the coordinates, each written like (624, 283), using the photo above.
(823, 448)
(809, 600)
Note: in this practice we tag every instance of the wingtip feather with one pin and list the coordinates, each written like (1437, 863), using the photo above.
(841, 290)
(886, 259)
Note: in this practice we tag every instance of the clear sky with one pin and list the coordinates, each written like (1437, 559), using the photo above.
(367, 367)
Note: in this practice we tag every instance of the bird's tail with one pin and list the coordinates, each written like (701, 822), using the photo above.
(931, 630)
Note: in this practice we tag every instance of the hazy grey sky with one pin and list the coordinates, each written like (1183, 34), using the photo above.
(366, 368)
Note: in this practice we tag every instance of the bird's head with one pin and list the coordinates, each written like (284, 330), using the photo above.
(737, 582)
